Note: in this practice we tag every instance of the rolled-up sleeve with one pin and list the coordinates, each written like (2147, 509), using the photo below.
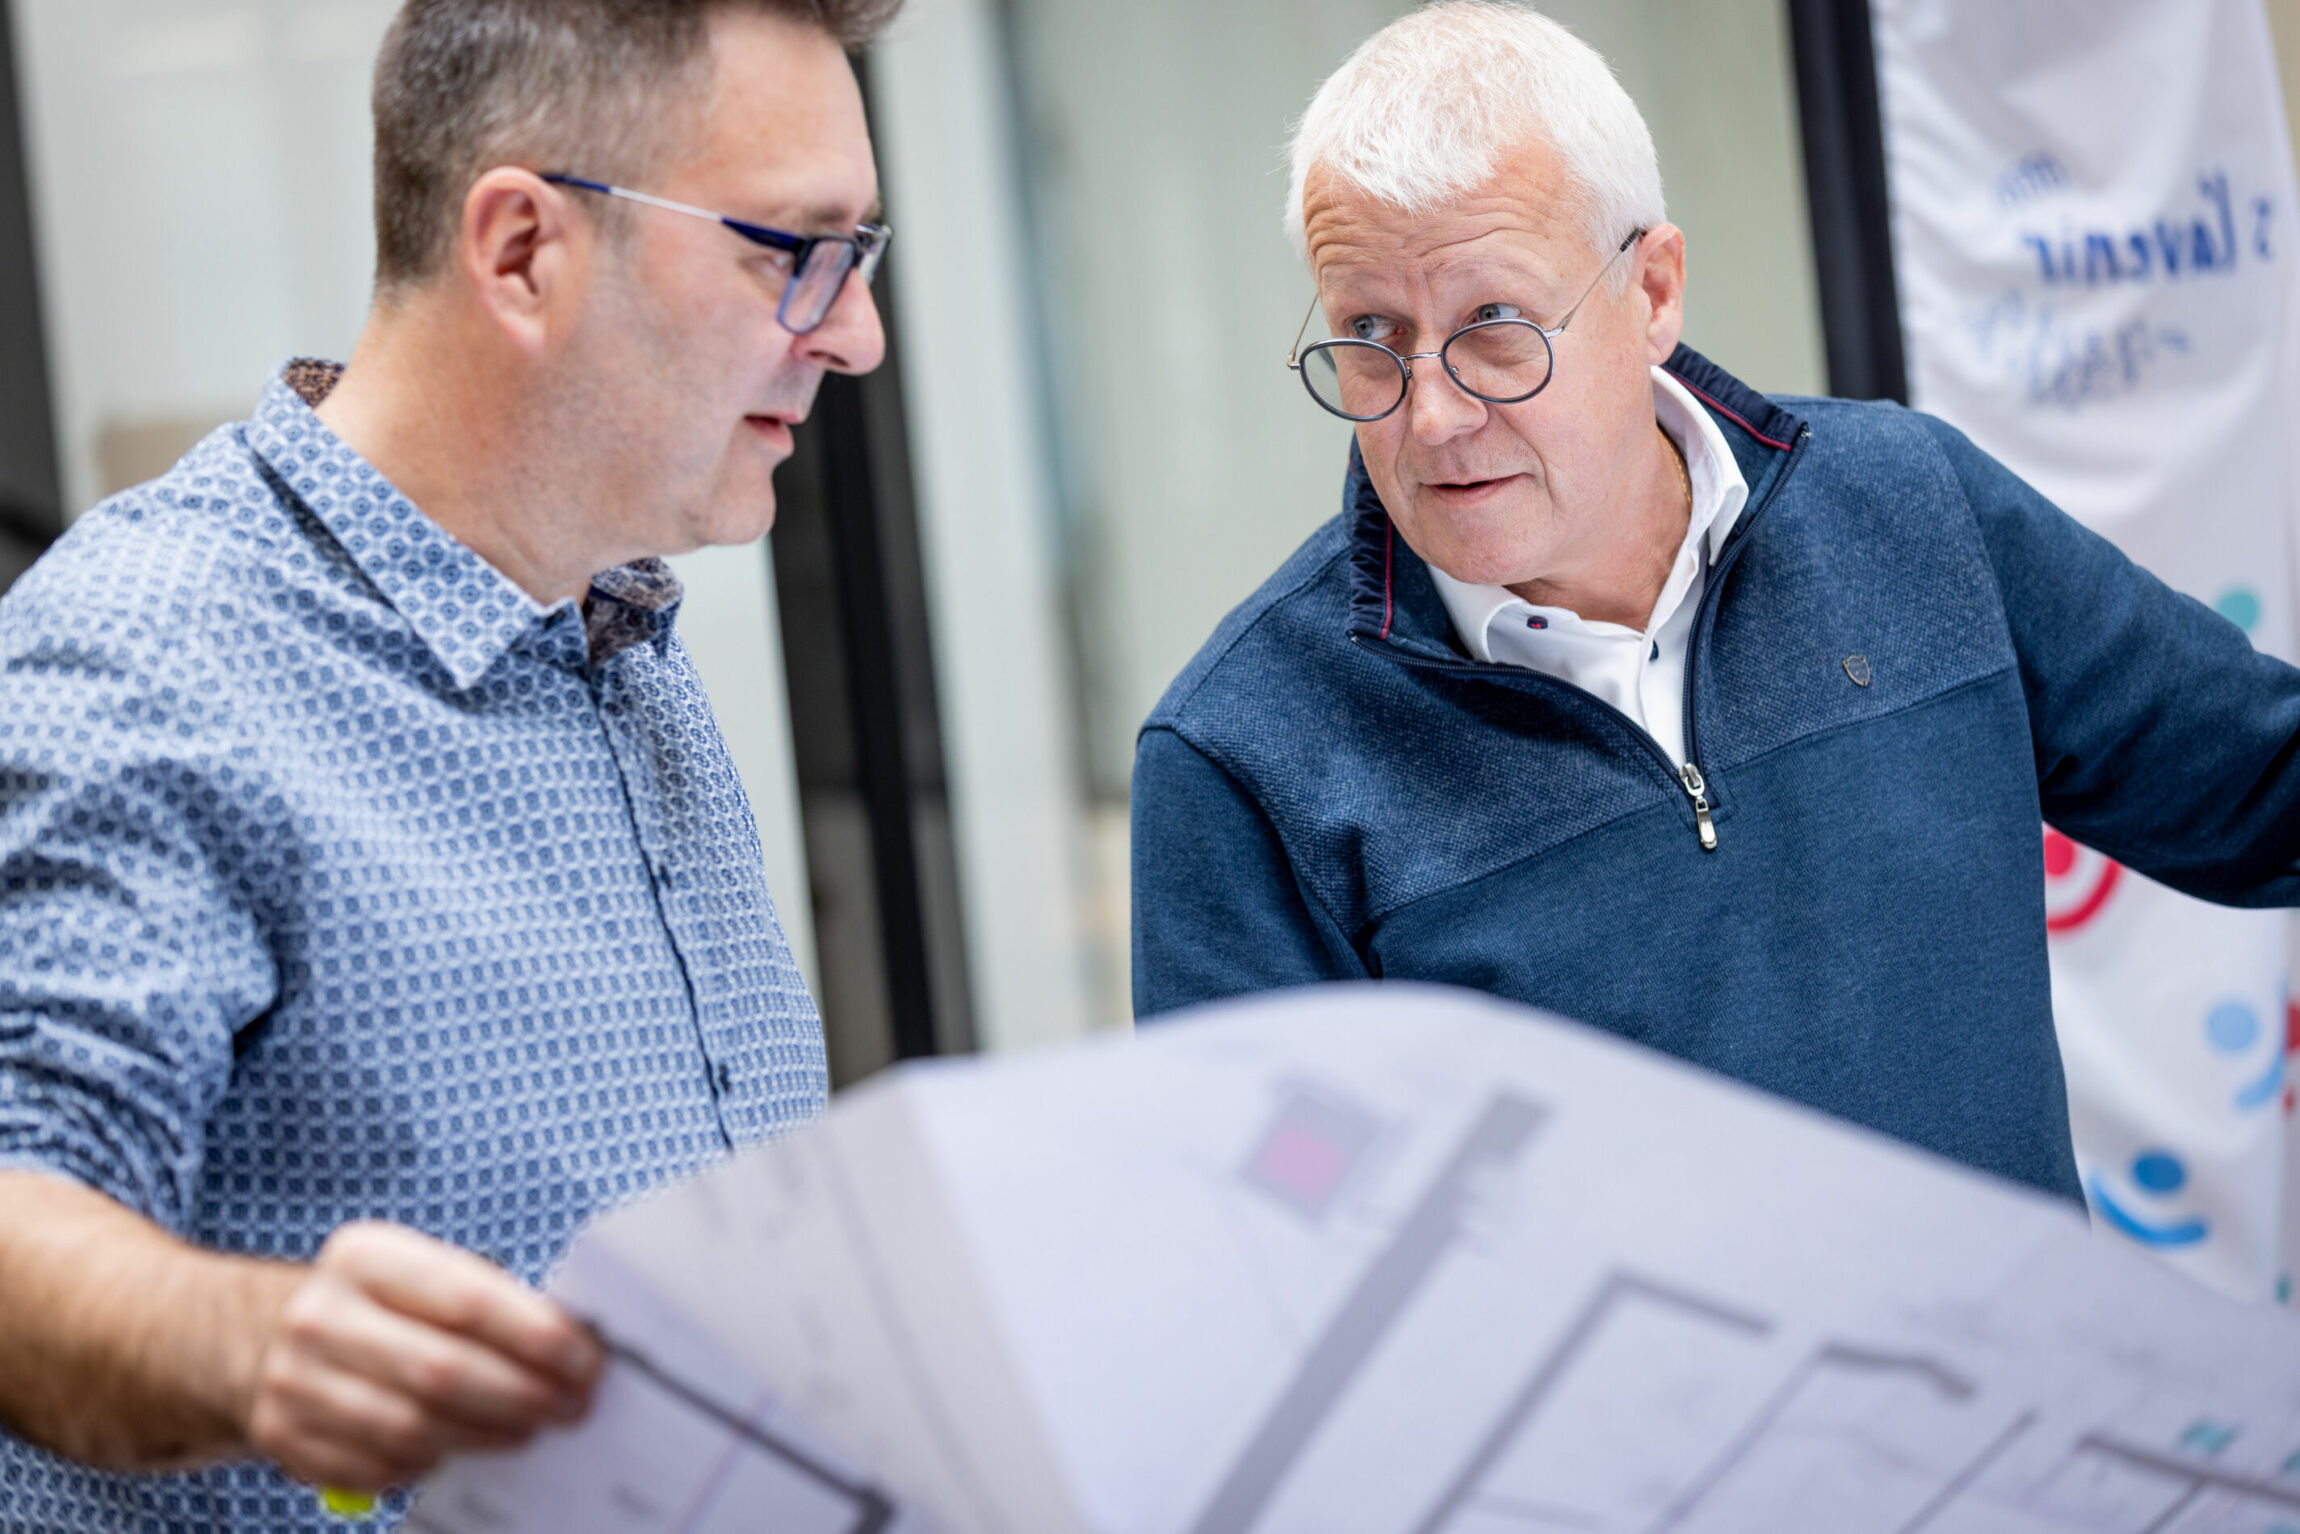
(131, 953)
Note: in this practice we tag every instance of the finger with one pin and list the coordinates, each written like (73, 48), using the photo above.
(455, 1290)
(336, 1429)
(449, 1377)
(321, 1406)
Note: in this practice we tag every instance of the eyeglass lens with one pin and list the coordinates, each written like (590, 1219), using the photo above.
(1500, 361)
(816, 286)
(1355, 378)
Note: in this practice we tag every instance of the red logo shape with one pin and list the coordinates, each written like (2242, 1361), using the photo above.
(2291, 1047)
(2077, 883)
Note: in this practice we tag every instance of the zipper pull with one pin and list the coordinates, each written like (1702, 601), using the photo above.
(1697, 790)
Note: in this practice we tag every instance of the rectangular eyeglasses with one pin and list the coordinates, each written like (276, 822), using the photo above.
(819, 262)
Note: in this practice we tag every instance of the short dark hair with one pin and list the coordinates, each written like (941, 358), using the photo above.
(591, 86)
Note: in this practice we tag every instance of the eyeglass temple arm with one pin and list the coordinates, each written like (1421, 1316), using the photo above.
(1618, 251)
(628, 195)
(756, 233)
(1294, 352)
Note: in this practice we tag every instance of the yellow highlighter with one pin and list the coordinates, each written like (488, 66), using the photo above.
(347, 1504)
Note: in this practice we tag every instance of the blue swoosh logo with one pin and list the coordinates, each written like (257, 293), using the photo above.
(2262, 1092)
(2186, 1233)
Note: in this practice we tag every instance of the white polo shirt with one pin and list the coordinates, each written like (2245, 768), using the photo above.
(1640, 672)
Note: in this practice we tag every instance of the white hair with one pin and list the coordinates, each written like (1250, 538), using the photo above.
(1428, 108)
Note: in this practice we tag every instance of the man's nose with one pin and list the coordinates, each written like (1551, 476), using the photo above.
(1437, 407)
(851, 338)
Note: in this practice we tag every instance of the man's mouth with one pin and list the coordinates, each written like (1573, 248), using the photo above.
(773, 428)
(1465, 490)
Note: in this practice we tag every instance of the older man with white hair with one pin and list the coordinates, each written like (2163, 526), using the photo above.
(1723, 722)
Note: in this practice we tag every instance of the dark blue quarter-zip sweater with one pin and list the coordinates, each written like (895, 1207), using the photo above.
(1904, 660)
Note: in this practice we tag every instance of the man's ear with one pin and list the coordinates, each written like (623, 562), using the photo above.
(1661, 276)
(521, 248)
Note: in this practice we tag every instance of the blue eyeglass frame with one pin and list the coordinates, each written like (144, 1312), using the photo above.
(864, 248)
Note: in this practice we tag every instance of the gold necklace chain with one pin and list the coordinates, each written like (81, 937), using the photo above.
(1677, 459)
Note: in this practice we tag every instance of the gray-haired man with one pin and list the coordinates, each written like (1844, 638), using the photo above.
(1723, 722)
(375, 891)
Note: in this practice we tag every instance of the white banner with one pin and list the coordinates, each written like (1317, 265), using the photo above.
(2093, 228)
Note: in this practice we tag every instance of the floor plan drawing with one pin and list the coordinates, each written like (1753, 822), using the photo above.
(1662, 1412)
(2123, 1488)
(1382, 1295)
(1385, 1259)
(679, 1441)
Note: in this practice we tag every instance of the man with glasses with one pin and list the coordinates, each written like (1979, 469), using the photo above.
(377, 899)
(1722, 722)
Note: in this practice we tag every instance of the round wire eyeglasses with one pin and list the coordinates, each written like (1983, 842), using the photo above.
(1503, 362)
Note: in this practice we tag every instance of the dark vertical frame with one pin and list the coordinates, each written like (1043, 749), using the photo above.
(865, 718)
(31, 491)
(1842, 122)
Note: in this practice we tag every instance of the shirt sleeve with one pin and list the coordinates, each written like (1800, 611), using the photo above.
(1218, 909)
(2163, 738)
(130, 954)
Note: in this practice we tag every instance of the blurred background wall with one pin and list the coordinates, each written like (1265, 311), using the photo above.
(992, 558)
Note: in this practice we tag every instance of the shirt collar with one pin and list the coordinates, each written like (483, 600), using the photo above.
(1720, 490)
(630, 604)
(465, 611)
(1719, 493)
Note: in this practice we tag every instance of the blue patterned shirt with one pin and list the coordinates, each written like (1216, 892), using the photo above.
(339, 879)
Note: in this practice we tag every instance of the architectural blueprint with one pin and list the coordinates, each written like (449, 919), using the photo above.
(1392, 1259)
